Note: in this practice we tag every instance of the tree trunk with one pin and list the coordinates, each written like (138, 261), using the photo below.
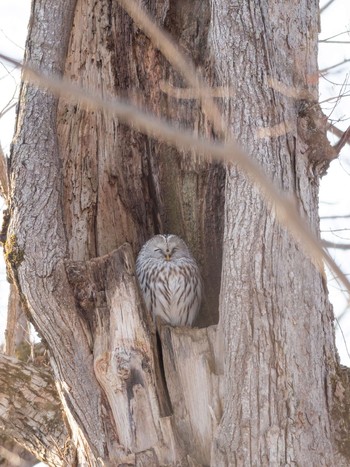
(254, 384)
(274, 311)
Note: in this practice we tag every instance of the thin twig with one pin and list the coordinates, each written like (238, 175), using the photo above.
(191, 93)
(345, 138)
(325, 70)
(337, 246)
(335, 35)
(334, 42)
(7, 109)
(326, 6)
(340, 216)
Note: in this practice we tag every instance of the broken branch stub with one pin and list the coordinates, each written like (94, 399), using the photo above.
(168, 402)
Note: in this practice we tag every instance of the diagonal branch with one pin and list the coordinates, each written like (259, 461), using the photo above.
(344, 139)
(284, 207)
(337, 246)
(329, 3)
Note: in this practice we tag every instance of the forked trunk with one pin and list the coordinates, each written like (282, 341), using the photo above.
(253, 385)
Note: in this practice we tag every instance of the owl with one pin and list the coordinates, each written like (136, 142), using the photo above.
(170, 280)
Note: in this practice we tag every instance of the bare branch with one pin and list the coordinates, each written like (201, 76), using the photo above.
(285, 209)
(335, 130)
(335, 35)
(341, 216)
(326, 6)
(325, 70)
(345, 138)
(337, 246)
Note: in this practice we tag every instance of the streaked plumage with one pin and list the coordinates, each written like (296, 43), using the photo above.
(169, 279)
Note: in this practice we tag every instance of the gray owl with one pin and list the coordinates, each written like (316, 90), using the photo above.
(170, 280)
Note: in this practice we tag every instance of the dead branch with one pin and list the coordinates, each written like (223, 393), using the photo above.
(325, 70)
(284, 207)
(345, 138)
(343, 216)
(326, 6)
(338, 246)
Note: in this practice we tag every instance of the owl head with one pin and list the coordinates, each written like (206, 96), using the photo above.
(165, 247)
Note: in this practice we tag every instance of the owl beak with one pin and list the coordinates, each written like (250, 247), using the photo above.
(167, 257)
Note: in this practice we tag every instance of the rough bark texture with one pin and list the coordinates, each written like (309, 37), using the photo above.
(3, 175)
(37, 221)
(30, 412)
(13, 454)
(17, 326)
(258, 388)
(274, 311)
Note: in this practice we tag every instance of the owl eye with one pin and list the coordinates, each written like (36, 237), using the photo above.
(157, 249)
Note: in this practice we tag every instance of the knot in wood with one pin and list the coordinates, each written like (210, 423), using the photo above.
(123, 365)
(101, 364)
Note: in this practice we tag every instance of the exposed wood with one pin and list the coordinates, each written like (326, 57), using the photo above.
(195, 386)
(120, 185)
(124, 363)
(30, 412)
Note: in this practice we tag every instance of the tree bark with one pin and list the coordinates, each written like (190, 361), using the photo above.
(37, 221)
(119, 185)
(17, 334)
(258, 387)
(30, 412)
(274, 311)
